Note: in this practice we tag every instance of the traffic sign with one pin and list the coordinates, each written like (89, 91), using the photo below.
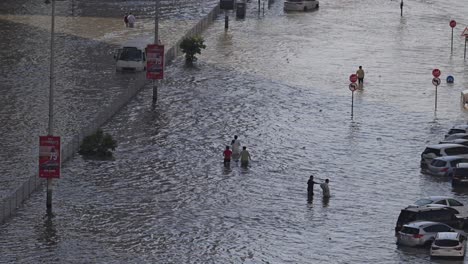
(453, 23)
(436, 81)
(465, 32)
(353, 78)
(436, 73)
(352, 87)
(450, 79)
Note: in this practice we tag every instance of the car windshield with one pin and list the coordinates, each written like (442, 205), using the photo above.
(130, 54)
(410, 230)
(423, 202)
(456, 130)
(431, 150)
(446, 243)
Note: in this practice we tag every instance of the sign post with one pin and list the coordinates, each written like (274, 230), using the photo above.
(453, 23)
(352, 87)
(436, 82)
(155, 65)
(465, 34)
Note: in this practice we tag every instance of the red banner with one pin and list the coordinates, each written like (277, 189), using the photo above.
(155, 62)
(49, 157)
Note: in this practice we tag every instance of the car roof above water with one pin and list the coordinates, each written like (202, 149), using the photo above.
(445, 145)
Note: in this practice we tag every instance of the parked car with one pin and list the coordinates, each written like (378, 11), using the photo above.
(460, 141)
(440, 150)
(300, 5)
(420, 233)
(448, 244)
(458, 129)
(456, 136)
(442, 201)
(460, 174)
(441, 214)
(443, 166)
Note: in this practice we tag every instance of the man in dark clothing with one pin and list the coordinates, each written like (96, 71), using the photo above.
(310, 188)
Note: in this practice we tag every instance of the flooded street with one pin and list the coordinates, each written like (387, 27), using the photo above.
(280, 82)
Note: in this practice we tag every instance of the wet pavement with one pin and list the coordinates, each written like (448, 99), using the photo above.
(85, 73)
(280, 82)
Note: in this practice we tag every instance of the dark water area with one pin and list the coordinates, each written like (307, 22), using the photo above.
(280, 82)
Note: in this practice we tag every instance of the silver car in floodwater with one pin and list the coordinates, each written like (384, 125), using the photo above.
(439, 150)
(443, 166)
(420, 233)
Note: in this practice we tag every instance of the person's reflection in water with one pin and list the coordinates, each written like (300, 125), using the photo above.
(48, 233)
(325, 201)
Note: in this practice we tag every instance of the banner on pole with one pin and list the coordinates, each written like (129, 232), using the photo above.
(49, 157)
(155, 62)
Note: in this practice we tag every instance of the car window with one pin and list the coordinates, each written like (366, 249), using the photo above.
(436, 215)
(453, 202)
(438, 228)
(456, 151)
(444, 202)
(439, 163)
(410, 230)
(423, 202)
(456, 130)
(446, 243)
(431, 150)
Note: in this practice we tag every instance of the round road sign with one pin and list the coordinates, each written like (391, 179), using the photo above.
(450, 79)
(353, 78)
(436, 73)
(436, 81)
(453, 23)
(352, 87)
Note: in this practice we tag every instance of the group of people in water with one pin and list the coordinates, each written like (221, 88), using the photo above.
(323, 186)
(235, 153)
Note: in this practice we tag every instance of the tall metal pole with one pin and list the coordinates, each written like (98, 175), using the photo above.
(51, 100)
(156, 41)
(401, 8)
(352, 104)
(435, 108)
(451, 43)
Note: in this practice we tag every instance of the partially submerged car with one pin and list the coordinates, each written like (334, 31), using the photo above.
(300, 5)
(448, 244)
(443, 166)
(440, 150)
(420, 233)
(442, 201)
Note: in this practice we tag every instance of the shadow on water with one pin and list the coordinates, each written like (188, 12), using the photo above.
(47, 231)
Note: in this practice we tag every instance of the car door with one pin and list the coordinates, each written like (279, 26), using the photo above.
(458, 206)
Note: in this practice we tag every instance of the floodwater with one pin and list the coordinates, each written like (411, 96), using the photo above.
(280, 82)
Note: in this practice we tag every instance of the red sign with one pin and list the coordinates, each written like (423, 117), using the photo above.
(49, 157)
(436, 73)
(353, 78)
(155, 62)
(453, 23)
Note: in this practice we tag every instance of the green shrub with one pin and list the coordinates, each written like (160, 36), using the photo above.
(98, 144)
(191, 46)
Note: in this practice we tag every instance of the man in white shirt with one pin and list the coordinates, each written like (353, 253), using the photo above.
(131, 20)
(235, 145)
(325, 189)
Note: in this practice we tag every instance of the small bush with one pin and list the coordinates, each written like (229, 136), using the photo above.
(98, 144)
(191, 46)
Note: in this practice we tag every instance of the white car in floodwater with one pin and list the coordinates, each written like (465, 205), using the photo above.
(300, 5)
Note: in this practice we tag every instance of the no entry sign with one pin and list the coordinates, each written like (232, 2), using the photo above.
(436, 73)
(353, 78)
(453, 23)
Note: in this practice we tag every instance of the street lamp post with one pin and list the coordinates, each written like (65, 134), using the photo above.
(51, 99)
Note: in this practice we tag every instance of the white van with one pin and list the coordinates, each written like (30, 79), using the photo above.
(130, 57)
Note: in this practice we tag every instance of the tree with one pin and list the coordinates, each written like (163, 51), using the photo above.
(98, 145)
(191, 46)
